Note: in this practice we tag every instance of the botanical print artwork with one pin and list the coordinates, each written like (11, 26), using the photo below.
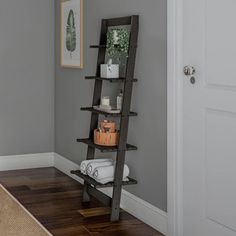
(72, 34)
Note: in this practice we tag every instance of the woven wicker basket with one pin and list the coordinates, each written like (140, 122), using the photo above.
(105, 139)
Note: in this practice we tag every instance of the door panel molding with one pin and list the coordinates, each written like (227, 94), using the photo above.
(216, 30)
(219, 167)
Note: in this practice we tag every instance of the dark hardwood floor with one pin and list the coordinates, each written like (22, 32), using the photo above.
(56, 201)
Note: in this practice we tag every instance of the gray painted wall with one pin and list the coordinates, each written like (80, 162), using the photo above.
(26, 76)
(148, 130)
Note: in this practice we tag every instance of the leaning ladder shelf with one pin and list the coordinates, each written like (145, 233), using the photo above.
(90, 185)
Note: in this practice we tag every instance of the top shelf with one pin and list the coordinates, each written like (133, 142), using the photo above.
(112, 80)
(105, 46)
(98, 46)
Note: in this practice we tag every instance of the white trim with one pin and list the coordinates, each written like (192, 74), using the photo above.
(174, 120)
(65, 166)
(141, 209)
(27, 161)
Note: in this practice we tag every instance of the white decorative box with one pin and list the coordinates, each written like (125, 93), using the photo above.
(110, 70)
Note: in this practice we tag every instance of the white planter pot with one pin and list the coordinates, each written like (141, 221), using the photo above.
(110, 71)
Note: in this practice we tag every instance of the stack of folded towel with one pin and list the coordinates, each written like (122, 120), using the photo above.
(84, 164)
(102, 170)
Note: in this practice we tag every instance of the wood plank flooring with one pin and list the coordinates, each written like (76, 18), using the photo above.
(56, 201)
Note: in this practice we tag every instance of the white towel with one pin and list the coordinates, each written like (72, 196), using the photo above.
(108, 172)
(93, 165)
(84, 164)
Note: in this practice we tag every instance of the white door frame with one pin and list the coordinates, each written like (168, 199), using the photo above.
(175, 117)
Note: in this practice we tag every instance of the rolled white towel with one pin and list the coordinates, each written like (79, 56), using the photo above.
(84, 164)
(93, 165)
(108, 172)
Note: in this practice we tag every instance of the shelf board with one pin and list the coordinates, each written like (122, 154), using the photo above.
(98, 46)
(90, 143)
(91, 109)
(95, 184)
(112, 80)
(105, 46)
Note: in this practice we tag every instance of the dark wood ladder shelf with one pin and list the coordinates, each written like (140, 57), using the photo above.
(90, 185)
(90, 143)
(96, 184)
(91, 109)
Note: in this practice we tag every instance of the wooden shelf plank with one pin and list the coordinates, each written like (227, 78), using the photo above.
(91, 109)
(95, 184)
(90, 143)
(105, 46)
(98, 46)
(112, 80)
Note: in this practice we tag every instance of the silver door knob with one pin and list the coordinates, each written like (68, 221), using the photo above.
(189, 70)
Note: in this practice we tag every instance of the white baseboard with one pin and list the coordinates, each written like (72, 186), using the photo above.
(139, 208)
(27, 161)
(143, 210)
(65, 166)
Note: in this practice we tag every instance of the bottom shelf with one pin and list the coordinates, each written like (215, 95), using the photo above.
(95, 184)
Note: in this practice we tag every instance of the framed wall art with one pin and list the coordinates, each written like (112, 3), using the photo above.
(72, 33)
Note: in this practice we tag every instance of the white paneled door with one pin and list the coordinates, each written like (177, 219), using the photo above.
(209, 178)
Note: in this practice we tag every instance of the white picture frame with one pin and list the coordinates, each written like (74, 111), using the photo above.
(72, 33)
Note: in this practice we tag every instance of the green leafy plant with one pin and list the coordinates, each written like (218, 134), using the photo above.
(118, 42)
(71, 33)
